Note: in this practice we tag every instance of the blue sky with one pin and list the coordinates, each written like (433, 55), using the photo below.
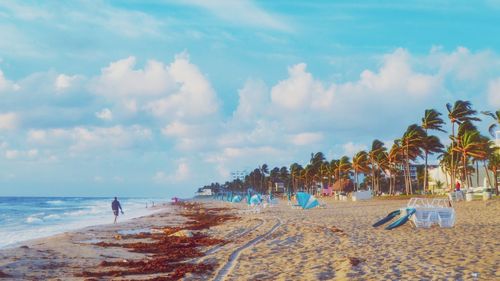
(156, 98)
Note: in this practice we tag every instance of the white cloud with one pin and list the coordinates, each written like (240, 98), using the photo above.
(9, 121)
(105, 114)
(120, 79)
(7, 85)
(25, 12)
(397, 77)
(494, 93)
(80, 139)
(300, 90)
(306, 138)
(181, 173)
(253, 100)
(179, 129)
(178, 91)
(64, 82)
(350, 148)
(12, 154)
(242, 12)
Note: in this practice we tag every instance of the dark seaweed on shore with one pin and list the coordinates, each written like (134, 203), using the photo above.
(4, 275)
(169, 253)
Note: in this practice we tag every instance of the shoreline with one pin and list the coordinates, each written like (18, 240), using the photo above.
(66, 220)
(278, 243)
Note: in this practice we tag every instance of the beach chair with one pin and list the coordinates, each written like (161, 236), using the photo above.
(422, 218)
(446, 217)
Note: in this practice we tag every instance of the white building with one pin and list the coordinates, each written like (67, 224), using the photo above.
(239, 175)
(437, 175)
(204, 192)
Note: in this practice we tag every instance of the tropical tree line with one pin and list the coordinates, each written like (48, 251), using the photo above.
(388, 169)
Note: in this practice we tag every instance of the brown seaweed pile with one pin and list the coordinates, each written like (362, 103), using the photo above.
(4, 275)
(168, 254)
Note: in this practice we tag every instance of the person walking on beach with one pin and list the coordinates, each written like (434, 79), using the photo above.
(115, 205)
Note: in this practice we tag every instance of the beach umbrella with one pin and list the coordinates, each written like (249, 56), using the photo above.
(306, 200)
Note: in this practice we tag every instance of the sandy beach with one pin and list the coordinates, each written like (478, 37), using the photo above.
(224, 241)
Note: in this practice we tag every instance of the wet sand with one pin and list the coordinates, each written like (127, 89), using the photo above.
(231, 242)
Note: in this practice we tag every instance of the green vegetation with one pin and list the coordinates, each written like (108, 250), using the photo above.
(388, 170)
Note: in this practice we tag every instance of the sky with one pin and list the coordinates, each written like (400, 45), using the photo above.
(158, 98)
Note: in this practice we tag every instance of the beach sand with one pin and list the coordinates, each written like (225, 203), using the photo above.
(278, 243)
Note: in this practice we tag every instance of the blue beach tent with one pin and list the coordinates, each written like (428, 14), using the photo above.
(255, 199)
(236, 199)
(306, 200)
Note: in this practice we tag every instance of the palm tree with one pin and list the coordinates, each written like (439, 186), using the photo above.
(377, 149)
(295, 172)
(411, 143)
(494, 166)
(445, 161)
(360, 164)
(344, 167)
(264, 170)
(471, 144)
(394, 158)
(429, 145)
(496, 117)
(432, 121)
(274, 175)
(457, 113)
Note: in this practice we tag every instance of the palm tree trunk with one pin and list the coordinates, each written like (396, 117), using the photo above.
(477, 173)
(426, 172)
(373, 178)
(452, 175)
(487, 175)
(464, 159)
(356, 179)
(495, 174)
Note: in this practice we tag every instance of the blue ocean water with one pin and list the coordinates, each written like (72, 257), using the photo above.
(24, 218)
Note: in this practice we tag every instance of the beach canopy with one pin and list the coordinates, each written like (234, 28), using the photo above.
(236, 199)
(255, 199)
(343, 185)
(306, 200)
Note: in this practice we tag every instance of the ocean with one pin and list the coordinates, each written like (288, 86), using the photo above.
(25, 218)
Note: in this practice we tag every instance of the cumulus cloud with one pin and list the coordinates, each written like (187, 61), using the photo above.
(300, 90)
(253, 99)
(494, 93)
(7, 85)
(306, 138)
(181, 173)
(176, 91)
(350, 148)
(64, 82)
(81, 139)
(172, 107)
(12, 154)
(9, 121)
(104, 114)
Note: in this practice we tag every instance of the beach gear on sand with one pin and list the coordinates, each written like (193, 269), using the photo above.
(306, 200)
(423, 213)
(402, 220)
(255, 199)
(389, 217)
(236, 199)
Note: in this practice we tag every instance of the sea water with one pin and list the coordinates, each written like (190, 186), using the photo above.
(24, 218)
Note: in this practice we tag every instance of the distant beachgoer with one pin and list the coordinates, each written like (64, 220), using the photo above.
(457, 186)
(115, 205)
